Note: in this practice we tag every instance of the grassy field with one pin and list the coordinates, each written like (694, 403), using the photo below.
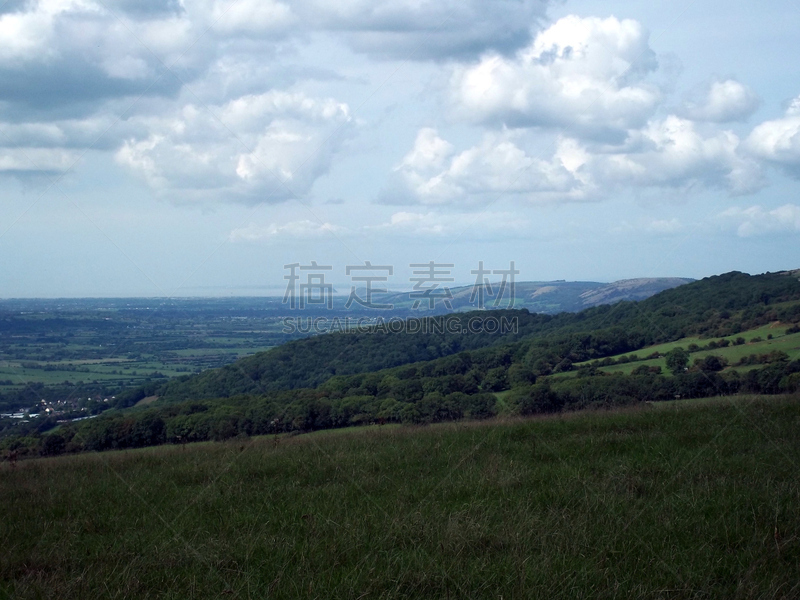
(694, 499)
(785, 343)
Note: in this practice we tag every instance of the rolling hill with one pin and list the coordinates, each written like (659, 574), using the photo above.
(713, 306)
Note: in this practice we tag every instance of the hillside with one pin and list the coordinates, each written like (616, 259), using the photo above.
(712, 306)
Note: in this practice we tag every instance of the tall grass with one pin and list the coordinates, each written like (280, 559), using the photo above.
(686, 500)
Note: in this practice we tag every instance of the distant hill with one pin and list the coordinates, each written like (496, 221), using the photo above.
(552, 297)
(712, 306)
(630, 289)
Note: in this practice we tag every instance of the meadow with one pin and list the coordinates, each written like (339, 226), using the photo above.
(689, 499)
(756, 342)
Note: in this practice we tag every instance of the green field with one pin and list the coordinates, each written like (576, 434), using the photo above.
(116, 370)
(693, 499)
(790, 344)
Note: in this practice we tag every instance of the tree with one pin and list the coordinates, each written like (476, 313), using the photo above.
(677, 360)
(711, 363)
(53, 445)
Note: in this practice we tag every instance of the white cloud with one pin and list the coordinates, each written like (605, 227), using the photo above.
(484, 225)
(664, 226)
(259, 18)
(268, 147)
(723, 101)
(295, 229)
(77, 53)
(36, 160)
(778, 141)
(651, 227)
(58, 55)
(433, 173)
(28, 34)
(583, 74)
(755, 220)
(667, 153)
(672, 153)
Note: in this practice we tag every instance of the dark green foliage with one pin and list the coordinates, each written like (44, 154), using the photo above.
(711, 363)
(677, 359)
(535, 399)
(53, 445)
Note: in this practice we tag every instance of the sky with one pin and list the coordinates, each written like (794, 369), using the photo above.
(197, 147)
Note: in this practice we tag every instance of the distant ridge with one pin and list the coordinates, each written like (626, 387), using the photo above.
(553, 297)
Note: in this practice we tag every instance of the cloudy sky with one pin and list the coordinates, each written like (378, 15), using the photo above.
(195, 147)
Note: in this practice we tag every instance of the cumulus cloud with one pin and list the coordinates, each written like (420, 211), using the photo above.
(672, 153)
(778, 141)
(69, 67)
(722, 102)
(664, 226)
(70, 55)
(268, 147)
(253, 18)
(434, 173)
(666, 153)
(64, 134)
(295, 229)
(757, 220)
(585, 75)
(65, 64)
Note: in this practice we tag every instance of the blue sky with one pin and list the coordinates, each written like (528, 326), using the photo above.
(160, 147)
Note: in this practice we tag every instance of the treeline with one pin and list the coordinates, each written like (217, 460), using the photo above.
(365, 399)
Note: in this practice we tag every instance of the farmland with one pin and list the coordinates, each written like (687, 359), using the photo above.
(125, 342)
